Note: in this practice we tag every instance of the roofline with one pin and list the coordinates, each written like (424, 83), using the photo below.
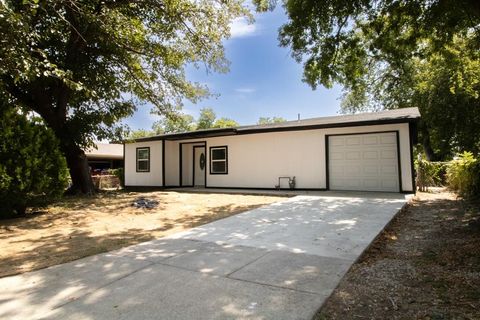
(241, 131)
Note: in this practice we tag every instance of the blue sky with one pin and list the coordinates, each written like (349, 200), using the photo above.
(264, 80)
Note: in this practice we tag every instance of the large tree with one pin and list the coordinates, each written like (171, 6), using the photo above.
(82, 65)
(381, 52)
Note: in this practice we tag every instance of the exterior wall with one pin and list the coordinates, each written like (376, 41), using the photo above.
(172, 173)
(257, 160)
(154, 176)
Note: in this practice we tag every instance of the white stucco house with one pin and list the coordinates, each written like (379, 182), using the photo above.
(366, 152)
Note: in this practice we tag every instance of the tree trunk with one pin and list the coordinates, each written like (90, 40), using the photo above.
(79, 170)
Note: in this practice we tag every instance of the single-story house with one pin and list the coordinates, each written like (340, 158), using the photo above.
(105, 156)
(366, 152)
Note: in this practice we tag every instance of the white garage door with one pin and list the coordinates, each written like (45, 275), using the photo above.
(365, 162)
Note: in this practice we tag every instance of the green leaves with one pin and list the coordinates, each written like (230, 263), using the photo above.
(84, 63)
(392, 54)
(32, 169)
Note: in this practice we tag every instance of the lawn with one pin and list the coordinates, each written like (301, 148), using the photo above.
(78, 227)
(425, 265)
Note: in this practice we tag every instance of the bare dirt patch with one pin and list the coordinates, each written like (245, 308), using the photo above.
(78, 227)
(425, 265)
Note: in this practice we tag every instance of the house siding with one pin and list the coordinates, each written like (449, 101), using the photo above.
(152, 178)
(257, 160)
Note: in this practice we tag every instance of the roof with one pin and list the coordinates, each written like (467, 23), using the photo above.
(105, 150)
(368, 118)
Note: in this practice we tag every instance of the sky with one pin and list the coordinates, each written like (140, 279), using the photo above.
(263, 81)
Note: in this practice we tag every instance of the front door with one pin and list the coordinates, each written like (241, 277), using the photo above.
(199, 166)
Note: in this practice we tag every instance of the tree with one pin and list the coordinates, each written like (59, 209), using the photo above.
(225, 123)
(267, 120)
(174, 123)
(83, 65)
(377, 51)
(206, 118)
(141, 133)
(33, 171)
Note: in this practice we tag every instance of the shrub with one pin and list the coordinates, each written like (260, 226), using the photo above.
(32, 169)
(430, 174)
(463, 175)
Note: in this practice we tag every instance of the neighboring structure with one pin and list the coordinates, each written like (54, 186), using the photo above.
(368, 152)
(105, 156)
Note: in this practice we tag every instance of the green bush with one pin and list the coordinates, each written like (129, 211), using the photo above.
(32, 169)
(430, 174)
(463, 175)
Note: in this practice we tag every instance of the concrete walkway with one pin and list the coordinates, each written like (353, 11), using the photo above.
(277, 262)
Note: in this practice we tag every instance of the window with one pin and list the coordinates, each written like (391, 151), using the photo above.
(143, 159)
(218, 160)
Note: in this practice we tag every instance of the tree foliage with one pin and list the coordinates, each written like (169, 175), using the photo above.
(393, 54)
(82, 65)
(225, 123)
(206, 119)
(268, 120)
(32, 169)
(174, 123)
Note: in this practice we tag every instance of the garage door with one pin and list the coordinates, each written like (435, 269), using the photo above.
(366, 162)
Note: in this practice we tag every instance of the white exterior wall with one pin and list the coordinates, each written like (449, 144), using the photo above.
(152, 178)
(172, 174)
(257, 160)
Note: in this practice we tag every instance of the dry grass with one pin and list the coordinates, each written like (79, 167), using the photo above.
(78, 227)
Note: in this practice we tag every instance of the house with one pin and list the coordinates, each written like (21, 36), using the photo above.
(366, 152)
(105, 156)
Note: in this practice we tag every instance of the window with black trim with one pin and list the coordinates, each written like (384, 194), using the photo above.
(143, 159)
(219, 160)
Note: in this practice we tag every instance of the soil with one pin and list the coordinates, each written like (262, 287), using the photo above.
(425, 265)
(78, 227)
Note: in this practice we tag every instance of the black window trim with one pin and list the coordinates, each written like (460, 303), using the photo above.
(226, 159)
(148, 159)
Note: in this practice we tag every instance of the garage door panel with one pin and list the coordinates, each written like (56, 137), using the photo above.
(337, 170)
(388, 154)
(352, 155)
(370, 183)
(389, 170)
(353, 170)
(337, 141)
(370, 170)
(364, 162)
(373, 140)
(388, 139)
(353, 141)
(336, 155)
(389, 184)
(370, 155)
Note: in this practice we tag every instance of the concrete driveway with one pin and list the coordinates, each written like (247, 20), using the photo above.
(277, 262)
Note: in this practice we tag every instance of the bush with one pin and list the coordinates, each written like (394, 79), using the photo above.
(32, 169)
(430, 174)
(463, 175)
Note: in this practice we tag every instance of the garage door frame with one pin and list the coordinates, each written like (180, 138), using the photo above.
(327, 150)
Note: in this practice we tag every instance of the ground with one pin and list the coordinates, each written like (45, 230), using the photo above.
(78, 227)
(425, 265)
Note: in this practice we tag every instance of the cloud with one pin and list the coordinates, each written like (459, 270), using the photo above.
(240, 28)
(245, 90)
